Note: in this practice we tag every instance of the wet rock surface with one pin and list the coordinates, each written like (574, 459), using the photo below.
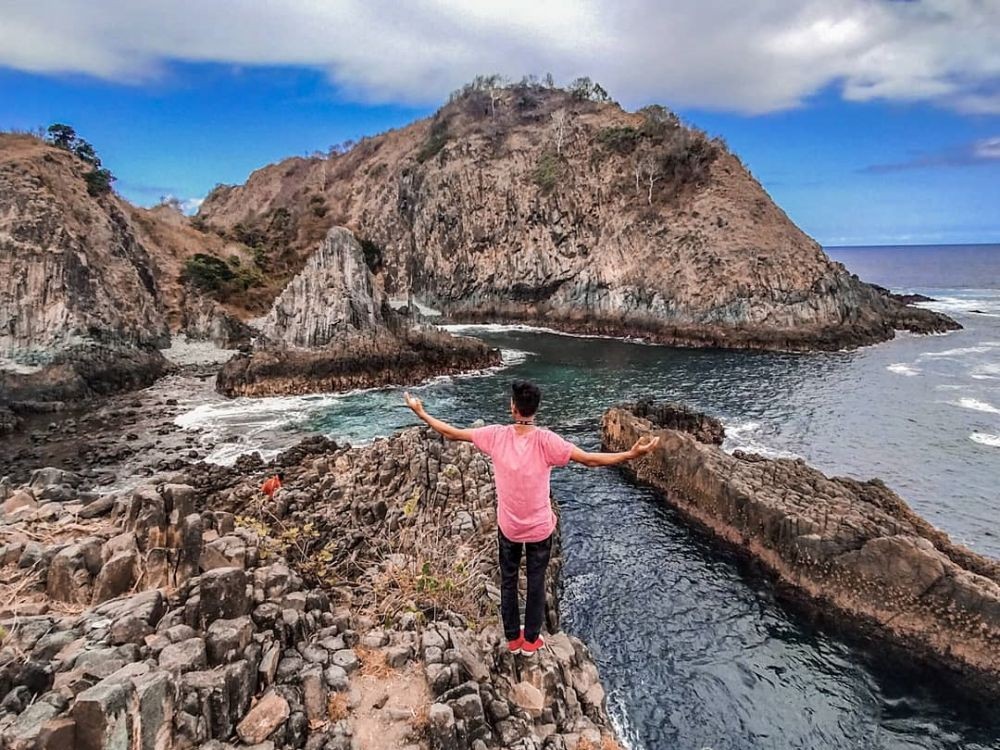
(357, 609)
(853, 549)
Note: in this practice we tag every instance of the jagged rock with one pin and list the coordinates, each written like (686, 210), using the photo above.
(185, 656)
(24, 733)
(154, 701)
(270, 712)
(226, 639)
(854, 548)
(102, 717)
(58, 734)
(314, 694)
(68, 579)
(529, 698)
(116, 576)
(345, 659)
(441, 727)
(20, 503)
(223, 595)
(330, 330)
(130, 629)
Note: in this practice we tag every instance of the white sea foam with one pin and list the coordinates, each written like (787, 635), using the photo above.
(268, 425)
(741, 436)
(987, 371)
(985, 438)
(521, 327)
(976, 405)
(982, 348)
(972, 301)
(901, 368)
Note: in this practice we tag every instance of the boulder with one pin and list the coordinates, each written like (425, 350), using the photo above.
(223, 595)
(269, 713)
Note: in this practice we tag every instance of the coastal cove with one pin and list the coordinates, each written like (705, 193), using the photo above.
(695, 646)
(714, 658)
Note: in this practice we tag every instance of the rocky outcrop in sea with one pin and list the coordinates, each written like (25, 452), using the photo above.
(331, 329)
(854, 550)
(355, 610)
(546, 207)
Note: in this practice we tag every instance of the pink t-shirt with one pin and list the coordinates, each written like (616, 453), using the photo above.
(522, 465)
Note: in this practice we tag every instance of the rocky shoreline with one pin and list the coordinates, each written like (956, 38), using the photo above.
(365, 361)
(853, 550)
(899, 315)
(355, 610)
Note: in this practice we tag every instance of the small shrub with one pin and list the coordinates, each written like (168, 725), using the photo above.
(437, 137)
(99, 181)
(620, 139)
(548, 171)
(208, 272)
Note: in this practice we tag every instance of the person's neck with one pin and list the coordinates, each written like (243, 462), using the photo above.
(525, 421)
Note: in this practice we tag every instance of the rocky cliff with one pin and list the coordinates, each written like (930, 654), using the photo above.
(331, 329)
(853, 549)
(78, 293)
(357, 609)
(90, 286)
(541, 205)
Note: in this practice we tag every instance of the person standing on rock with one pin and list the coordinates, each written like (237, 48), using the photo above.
(523, 457)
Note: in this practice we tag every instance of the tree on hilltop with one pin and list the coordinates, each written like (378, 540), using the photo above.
(63, 136)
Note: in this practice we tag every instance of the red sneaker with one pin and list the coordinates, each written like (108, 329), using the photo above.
(515, 645)
(528, 648)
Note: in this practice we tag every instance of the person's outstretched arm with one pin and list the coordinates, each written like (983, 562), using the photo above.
(642, 446)
(449, 431)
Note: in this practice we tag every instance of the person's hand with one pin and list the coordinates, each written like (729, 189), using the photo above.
(414, 403)
(644, 445)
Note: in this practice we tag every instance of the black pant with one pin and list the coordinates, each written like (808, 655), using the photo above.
(536, 561)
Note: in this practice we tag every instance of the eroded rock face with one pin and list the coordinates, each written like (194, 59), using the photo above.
(505, 222)
(77, 289)
(330, 330)
(854, 547)
(332, 297)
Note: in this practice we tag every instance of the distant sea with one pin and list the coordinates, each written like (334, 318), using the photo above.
(694, 646)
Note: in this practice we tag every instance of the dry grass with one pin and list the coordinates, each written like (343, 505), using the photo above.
(336, 707)
(420, 721)
(444, 578)
(373, 663)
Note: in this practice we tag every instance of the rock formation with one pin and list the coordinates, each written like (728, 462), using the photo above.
(78, 296)
(90, 286)
(330, 330)
(853, 548)
(538, 205)
(357, 609)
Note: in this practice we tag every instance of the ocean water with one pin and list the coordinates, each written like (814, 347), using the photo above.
(696, 647)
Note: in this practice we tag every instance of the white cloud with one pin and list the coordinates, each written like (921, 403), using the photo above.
(754, 56)
(988, 148)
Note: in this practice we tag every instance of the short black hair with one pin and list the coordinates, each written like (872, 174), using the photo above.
(526, 397)
(281, 476)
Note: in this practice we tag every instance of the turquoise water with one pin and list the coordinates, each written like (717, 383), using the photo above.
(695, 647)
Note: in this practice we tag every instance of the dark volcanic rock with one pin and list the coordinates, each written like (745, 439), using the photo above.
(671, 416)
(854, 548)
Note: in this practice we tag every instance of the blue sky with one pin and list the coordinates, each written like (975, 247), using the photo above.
(869, 122)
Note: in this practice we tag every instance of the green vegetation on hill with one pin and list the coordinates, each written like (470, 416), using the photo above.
(99, 178)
